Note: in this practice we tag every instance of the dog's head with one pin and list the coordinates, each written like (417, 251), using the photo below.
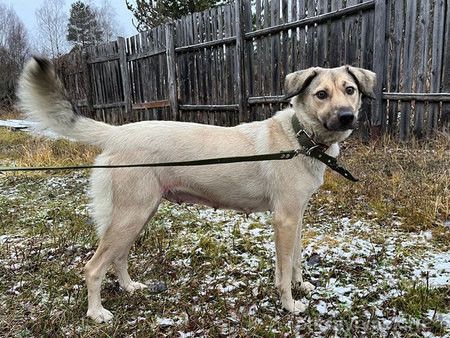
(330, 97)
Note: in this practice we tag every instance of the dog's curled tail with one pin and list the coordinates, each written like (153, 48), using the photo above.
(42, 98)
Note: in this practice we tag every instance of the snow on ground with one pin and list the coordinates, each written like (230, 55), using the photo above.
(29, 126)
(358, 267)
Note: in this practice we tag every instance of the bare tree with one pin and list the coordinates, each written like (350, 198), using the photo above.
(106, 18)
(13, 52)
(152, 13)
(52, 23)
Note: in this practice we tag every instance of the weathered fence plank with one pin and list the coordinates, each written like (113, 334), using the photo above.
(379, 65)
(436, 58)
(171, 81)
(239, 61)
(422, 40)
(393, 71)
(126, 88)
(445, 112)
(408, 65)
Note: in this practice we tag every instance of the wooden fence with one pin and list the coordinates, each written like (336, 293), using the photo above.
(227, 65)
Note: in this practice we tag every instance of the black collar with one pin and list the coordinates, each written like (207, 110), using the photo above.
(317, 150)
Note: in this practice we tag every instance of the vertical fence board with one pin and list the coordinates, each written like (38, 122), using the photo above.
(275, 48)
(408, 62)
(171, 81)
(445, 113)
(436, 59)
(322, 36)
(379, 64)
(121, 45)
(311, 48)
(396, 38)
(422, 42)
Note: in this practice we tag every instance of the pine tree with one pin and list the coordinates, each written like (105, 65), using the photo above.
(83, 28)
(152, 13)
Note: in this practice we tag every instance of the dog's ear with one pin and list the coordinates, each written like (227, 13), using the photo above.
(297, 82)
(365, 80)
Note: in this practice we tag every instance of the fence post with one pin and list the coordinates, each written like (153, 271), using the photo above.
(239, 63)
(378, 119)
(121, 46)
(84, 56)
(171, 71)
(445, 113)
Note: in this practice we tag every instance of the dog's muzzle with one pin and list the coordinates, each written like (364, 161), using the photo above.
(343, 119)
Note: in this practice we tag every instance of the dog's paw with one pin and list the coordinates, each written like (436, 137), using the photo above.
(133, 286)
(100, 315)
(294, 306)
(307, 287)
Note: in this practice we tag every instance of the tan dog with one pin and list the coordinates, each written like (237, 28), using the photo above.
(326, 102)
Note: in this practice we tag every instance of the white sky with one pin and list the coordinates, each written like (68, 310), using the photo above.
(25, 10)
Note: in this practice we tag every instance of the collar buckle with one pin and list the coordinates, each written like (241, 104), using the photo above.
(310, 150)
(303, 132)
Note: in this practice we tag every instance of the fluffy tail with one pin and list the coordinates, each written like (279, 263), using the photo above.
(43, 98)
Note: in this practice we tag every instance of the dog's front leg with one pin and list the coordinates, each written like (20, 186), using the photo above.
(298, 256)
(285, 235)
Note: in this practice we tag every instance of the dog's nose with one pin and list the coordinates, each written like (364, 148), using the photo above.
(346, 117)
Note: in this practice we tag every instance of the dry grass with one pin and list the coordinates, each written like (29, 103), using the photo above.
(24, 150)
(405, 184)
(9, 114)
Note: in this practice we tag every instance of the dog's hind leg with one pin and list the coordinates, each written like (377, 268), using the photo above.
(134, 200)
(121, 268)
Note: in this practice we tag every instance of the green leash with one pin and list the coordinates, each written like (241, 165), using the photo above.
(283, 155)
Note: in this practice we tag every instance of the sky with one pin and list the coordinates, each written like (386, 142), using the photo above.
(25, 9)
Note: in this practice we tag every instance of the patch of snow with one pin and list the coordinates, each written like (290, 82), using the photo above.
(443, 318)
(228, 288)
(322, 307)
(4, 238)
(31, 127)
(186, 334)
(14, 289)
(165, 321)
(437, 267)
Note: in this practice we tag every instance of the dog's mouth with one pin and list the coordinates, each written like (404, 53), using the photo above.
(338, 127)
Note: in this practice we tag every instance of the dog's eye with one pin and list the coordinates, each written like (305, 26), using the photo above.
(350, 90)
(322, 95)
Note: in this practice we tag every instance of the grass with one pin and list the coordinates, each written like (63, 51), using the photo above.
(408, 183)
(21, 149)
(417, 299)
(9, 114)
(218, 265)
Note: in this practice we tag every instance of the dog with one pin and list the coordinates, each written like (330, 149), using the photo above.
(326, 103)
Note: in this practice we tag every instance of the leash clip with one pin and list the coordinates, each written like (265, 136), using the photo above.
(297, 152)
